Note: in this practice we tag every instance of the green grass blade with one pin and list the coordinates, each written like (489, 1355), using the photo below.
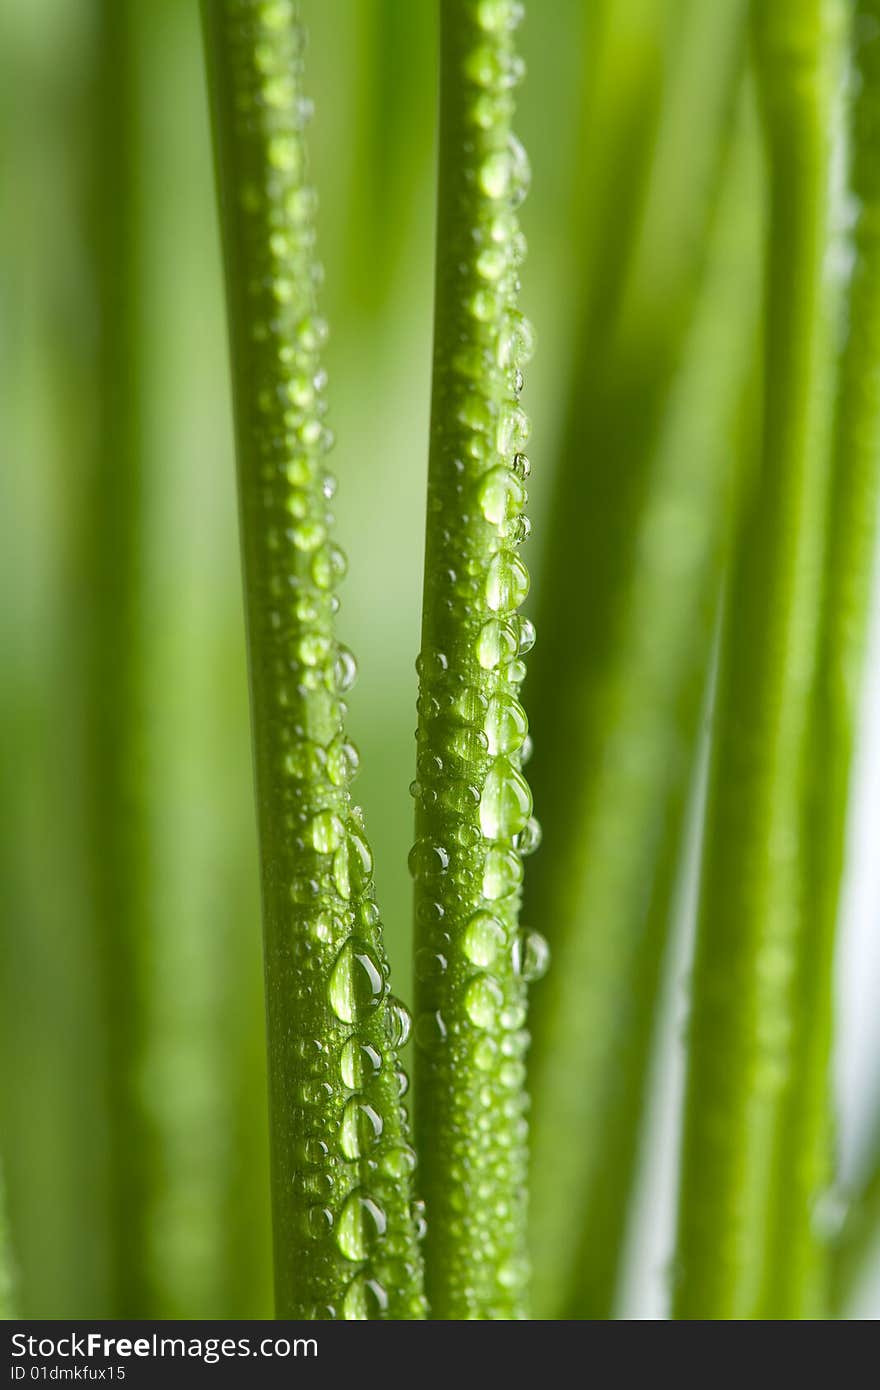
(653, 391)
(741, 1059)
(345, 1236)
(113, 557)
(606, 880)
(473, 806)
(807, 1160)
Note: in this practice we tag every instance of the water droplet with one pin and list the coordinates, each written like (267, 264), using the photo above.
(516, 341)
(512, 432)
(364, 1300)
(356, 982)
(312, 333)
(500, 496)
(344, 669)
(506, 724)
(358, 1063)
(398, 1161)
(361, 1223)
(507, 582)
(399, 1022)
(502, 873)
(506, 803)
(430, 1032)
(520, 171)
(361, 1128)
(429, 965)
(418, 1216)
(343, 761)
(491, 263)
(360, 861)
(486, 1054)
(283, 153)
(319, 1221)
(496, 174)
(525, 635)
(498, 16)
(483, 938)
(427, 860)
(328, 566)
(326, 927)
(496, 644)
(308, 535)
(529, 837)
(531, 955)
(482, 1000)
(326, 831)
(304, 760)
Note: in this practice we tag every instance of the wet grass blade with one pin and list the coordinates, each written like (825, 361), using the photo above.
(473, 805)
(345, 1236)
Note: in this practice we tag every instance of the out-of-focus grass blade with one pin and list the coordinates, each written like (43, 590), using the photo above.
(645, 493)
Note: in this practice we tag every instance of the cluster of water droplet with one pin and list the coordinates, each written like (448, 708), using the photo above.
(474, 821)
(349, 1237)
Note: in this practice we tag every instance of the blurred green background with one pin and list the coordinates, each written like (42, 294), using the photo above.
(629, 111)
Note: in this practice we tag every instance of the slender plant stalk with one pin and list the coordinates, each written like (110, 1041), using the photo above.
(742, 1062)
(630, 678)
(613, 914)
(473, 805)
(807, 1160)
(345, 1233)
(114, 562)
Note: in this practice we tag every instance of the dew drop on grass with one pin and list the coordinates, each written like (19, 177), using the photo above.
(430, 1031)
(399, 1022)
(496, 644)
(358, 1063)
(328, 566)
(326, 831)
(506, 583)
(530, 955)
(482, 1000)
(344, 669)
(361, 1223)
(500, 496)
(529, 837)
(506, 724)
(482, 939)
(356, 982)
(502, 873)
(364, 1300)
(319, 1221)
(512, 432)
(429, 965)
(506, 802)
(360, 1130)
(343, 761)
(398, 1161)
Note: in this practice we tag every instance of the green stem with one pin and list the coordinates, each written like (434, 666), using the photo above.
(807, 1162)
(620, 830)
(114, 564)
(473, 806)
(741, 1056)
(643, 565)
(345, 1236)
